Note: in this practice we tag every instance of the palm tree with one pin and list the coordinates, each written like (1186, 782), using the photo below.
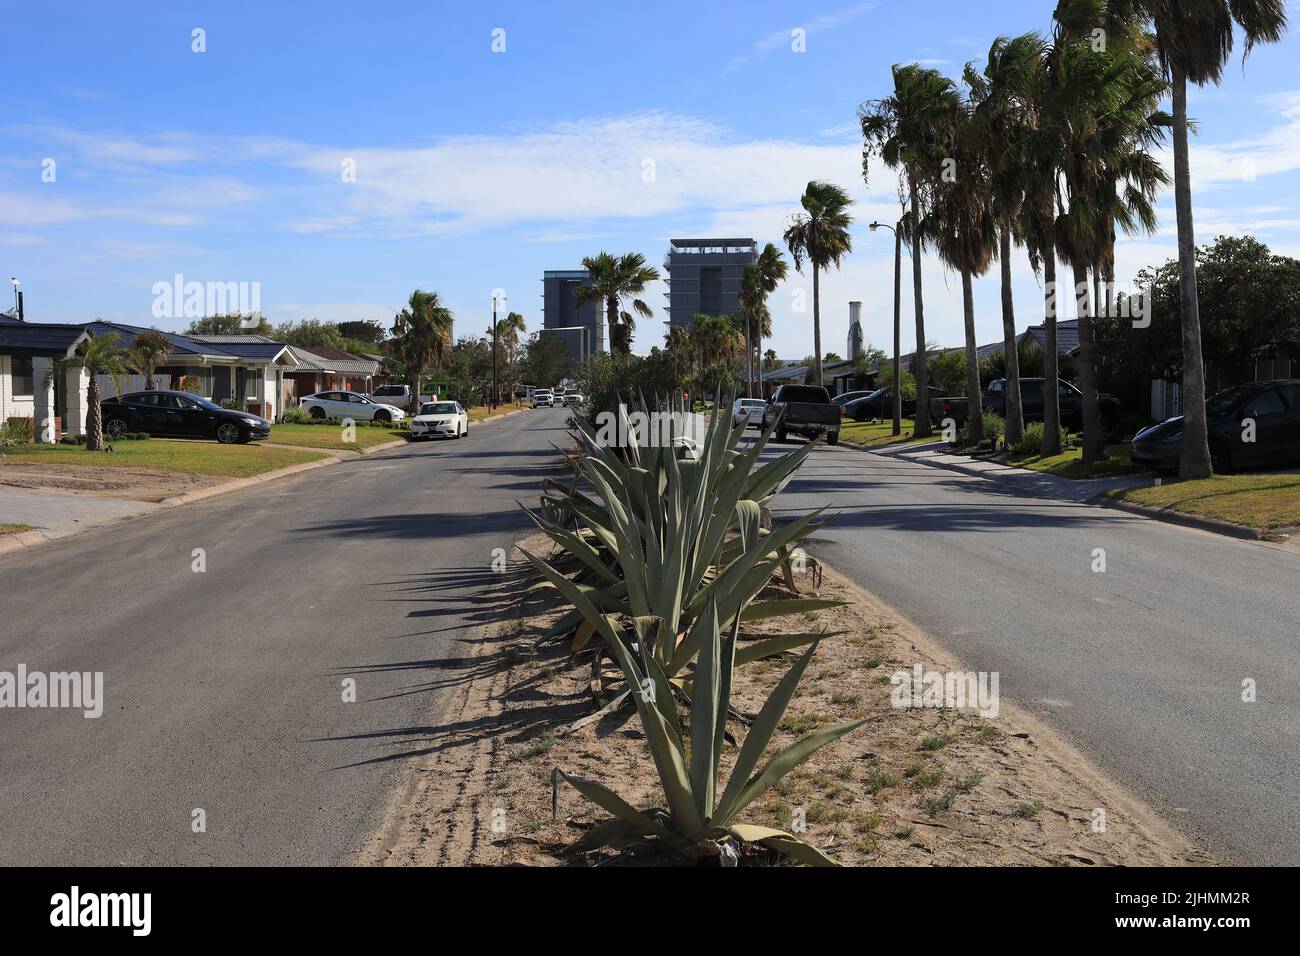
(716, 340)
(820, 234)
(760, 280)
(1105, 111)
(612, 279)
(1002, 97)
(1193, 41)
(422, 335)
(99, 355)
(148, 350)
(507, 336)
(678, 340)
(905, 130)
(962, 229)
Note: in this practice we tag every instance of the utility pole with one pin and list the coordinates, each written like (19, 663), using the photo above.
(497, 296)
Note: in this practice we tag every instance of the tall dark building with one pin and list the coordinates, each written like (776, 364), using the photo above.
(582, 328)
(704, 276)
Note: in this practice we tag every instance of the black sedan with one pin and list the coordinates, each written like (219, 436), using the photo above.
(1250, 426)
(879, 405)
(180, 415)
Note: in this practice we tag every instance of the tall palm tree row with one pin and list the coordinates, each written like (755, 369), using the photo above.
(820, 236)
(613, 279)
(909, 130)
(1064, 129)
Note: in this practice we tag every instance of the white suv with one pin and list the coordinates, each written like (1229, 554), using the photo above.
(543, 398)
(353, 405)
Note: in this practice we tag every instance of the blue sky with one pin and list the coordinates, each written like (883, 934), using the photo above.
(477, 170)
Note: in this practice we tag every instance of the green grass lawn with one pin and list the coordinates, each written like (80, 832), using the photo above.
(1068, 464)
(1258, 501)
(186, 457)
(331, 436)
(13, 528)
(873, 434)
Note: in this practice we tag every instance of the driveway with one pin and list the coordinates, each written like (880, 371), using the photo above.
(1142, 665)
(57, 515)
(225, 688)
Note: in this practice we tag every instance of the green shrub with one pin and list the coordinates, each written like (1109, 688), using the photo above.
(995, 427)
(297, 416)
(232, 404)
(17, 431)
(1031, 442)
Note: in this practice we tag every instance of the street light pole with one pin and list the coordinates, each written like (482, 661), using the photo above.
(492, 400)
(898, 282)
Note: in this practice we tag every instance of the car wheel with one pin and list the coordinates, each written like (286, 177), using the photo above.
(383, 417)
(1220, 459)
(316, 412)
(116, 427)
(228, 433)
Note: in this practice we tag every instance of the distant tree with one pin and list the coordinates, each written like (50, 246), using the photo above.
(613, 279)
(832, 357)
(370, 332)
(423, 334)
(820, 236)
(545, 361)
(770, 361)
(230, 325)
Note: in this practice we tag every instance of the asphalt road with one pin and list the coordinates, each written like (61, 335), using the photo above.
(224, 688)
(1141, 665)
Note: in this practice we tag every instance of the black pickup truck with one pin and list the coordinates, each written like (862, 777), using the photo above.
(804, 410)
(994, 399)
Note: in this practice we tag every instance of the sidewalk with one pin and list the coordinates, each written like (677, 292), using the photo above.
(1028, 482)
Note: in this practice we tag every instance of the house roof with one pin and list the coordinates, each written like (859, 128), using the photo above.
(30, 338)
(183, 346)
(335, 361)
(255, 348)
(1067, 335)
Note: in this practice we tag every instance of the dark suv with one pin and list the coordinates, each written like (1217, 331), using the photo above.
(180, 415)
(1250, 426)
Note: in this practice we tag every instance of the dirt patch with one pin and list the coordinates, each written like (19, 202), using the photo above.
(134, 484)
(913, 787)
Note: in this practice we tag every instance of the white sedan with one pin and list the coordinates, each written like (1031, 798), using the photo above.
(440, 420)
(748, 410)
(353, 405)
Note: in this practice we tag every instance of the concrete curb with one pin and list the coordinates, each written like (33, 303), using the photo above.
(238, 483)
(1169, 516)
(23, 539)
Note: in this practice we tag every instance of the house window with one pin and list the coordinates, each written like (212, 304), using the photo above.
(24, 377)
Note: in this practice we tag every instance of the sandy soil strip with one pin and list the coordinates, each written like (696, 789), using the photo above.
(914, 787)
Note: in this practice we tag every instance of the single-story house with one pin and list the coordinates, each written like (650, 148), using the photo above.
(249, 370)
(322, 368)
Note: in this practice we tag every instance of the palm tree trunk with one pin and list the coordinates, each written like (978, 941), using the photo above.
(974, 410)
(1195, 459)
(1094, 446)
(94, 415)
(1051, 366)
(1014, 410)
(919, 371)
(611, 320)
(817, 326)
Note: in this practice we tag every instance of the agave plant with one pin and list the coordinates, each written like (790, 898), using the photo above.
(666, 532)
(699, 821)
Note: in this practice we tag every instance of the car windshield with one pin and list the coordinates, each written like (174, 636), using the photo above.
(438, 408)
(805, 393)
(1228, 399)
(752, 403)
(202, 402)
